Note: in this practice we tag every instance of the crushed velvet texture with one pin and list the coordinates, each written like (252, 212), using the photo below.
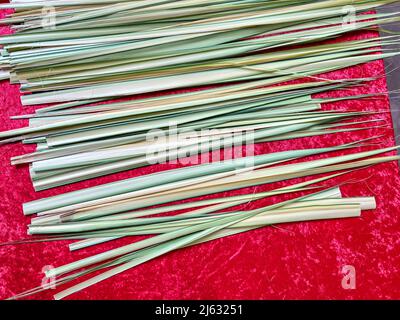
(291, 261)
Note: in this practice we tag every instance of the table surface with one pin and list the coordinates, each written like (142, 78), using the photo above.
(290, 261)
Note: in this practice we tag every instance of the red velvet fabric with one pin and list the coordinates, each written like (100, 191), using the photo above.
(291, 261)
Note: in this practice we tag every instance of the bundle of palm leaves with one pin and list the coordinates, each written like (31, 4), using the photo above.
(257, 115)
(125, 208)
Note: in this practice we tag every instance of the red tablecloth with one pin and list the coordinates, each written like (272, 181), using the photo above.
(292, 261)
